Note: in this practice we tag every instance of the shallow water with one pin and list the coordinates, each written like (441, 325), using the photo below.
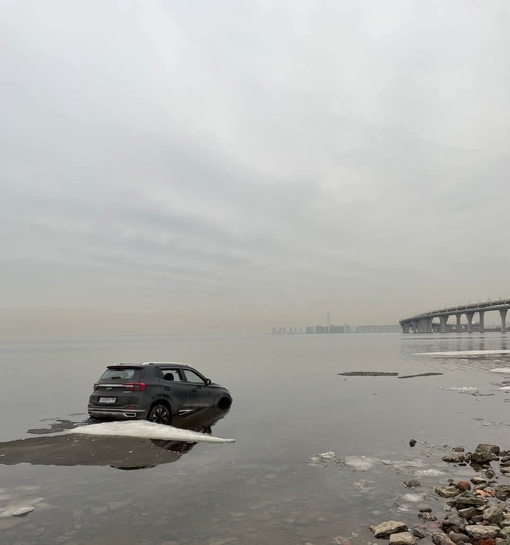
(290, 406)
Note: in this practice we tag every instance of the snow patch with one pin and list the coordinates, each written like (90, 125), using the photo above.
(463, 389)
(413, 498)
(429, 472)
(505, 370)
(462, 353)
(360, 463)
(322, 459)
(147, 430)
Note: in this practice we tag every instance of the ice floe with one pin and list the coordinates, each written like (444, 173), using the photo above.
(147, 430)
(463, 353)
(504, 370)
(431, 472)
(322, 459)
(360, 463)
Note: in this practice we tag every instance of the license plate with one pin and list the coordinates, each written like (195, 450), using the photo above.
(109, 400)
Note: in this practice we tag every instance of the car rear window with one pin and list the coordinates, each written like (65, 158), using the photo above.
(121, 373)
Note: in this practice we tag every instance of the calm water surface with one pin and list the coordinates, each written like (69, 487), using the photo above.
(289, 405)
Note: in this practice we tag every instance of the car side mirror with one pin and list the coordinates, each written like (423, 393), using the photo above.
(208, 381)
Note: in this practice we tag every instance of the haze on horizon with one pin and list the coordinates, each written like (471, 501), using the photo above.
(180, 167)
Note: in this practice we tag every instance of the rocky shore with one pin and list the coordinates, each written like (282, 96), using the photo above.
(477, 512)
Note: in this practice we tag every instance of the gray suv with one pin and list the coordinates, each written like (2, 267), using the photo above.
(155, 391)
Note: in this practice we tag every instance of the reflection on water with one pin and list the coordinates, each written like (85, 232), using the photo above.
(117, 452)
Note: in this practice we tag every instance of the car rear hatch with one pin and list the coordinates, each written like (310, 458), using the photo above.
(119, 386)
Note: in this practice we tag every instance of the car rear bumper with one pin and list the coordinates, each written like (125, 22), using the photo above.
(116, 413)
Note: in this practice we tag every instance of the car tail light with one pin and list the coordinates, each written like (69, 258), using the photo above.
(139, 386)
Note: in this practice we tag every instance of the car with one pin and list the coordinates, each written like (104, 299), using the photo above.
(156, 391)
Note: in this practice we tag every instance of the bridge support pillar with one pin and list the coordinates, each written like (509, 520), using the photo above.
(482, 321)
(425, 325)
(469, 316)
(459, 325)
(414, 327)
(443, 320)
(502, 313)
(406, 326)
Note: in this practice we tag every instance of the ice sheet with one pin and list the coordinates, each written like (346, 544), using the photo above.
(463, 353)
(360, 463)
(505, 370)
(147, 430)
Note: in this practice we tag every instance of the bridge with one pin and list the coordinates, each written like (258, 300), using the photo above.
(422, 323)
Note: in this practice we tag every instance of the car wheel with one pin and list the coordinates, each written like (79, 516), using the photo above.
(160, 414)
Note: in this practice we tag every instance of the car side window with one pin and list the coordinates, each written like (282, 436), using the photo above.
(191, 376)
(171, 375)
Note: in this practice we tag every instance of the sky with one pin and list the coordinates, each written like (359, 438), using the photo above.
(228, 166)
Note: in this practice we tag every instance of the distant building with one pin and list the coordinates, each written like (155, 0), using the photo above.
(336, 329)
(378, 329)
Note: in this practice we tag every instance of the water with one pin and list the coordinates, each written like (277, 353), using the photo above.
(271, 485)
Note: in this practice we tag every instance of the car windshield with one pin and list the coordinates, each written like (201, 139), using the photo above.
(122, 373)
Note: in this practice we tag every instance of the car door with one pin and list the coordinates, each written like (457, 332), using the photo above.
(176, 390)
(201, 392)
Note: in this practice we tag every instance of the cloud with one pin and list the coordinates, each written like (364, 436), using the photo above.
(254, 153)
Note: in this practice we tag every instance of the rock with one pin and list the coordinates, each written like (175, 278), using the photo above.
(493, 514)
(488, 541)
(464, 485)
(506, 532)
(439, 538)
(454, 458)
(425, 509)
(467, 512)
(490, 474)
(502, 491)
(481, 457)
(453, 521)
(478, 480)
(427, 516)
(402, 538)
(419, 533)
(447, 491)
(388, 528)
(482, 532)
(467, 498)
(457, 537)
(412, 483)
(458, 449)
(477, 518)
(412, 442)
(486, 448)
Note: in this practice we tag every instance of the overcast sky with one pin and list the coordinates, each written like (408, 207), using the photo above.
(230, 165)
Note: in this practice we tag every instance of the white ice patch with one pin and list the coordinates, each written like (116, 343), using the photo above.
(464, 353)
(322, 459)
(505, 388)
(413, 498)
(504, 370)
(429, 472)
(463, 389)
(401, 464)
(360, 463)
(147, 430)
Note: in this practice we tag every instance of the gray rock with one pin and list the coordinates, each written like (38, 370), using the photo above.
(458, 449)
(506, 531)
(22, 511)
(502, 491)
(454, 458)
(457, 537)
(493, 514)
(419, 533)
(412, 483)
(467, 512)
(468, 498)
(447, 491)
(453, 520)
(425, 509)
(478, 480)
(490, 474)
(486, 448)
(402, 538)
(481, 457)
(482, 532)
(427, 516)
(388, 528)
(441, 539)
